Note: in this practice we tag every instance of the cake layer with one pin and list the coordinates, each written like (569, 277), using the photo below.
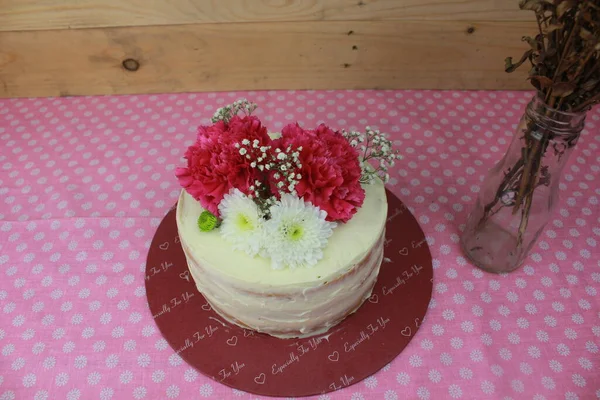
(288, 302)
(296, 314)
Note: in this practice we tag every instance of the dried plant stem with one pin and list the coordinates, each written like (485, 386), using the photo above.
(592, 70)
(532, 155)
(529, 181)
(564, 51)
(539, 24)
(524, 220)
(503, 186)
(588, 103)
(581, 66)
(526, 171)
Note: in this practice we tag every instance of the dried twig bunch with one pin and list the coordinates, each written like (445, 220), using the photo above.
(565, 54)
(565, 70)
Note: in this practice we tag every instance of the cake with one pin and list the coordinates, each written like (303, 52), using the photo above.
(290, 260)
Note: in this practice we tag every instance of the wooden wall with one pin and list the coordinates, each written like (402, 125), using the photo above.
(79, 47)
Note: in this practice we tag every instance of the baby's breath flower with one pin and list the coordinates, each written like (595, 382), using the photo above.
(226, 113)
(376, 148)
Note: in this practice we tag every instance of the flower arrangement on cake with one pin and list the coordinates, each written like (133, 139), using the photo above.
(280, 196)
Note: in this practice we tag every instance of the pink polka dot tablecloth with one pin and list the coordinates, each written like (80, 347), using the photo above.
(84, 183)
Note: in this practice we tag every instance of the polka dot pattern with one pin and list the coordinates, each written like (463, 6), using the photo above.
(84, 183)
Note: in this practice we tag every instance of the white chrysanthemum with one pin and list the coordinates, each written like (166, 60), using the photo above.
(242, 222)
(296, 233)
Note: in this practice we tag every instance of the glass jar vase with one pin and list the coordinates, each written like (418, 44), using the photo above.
(519, 194)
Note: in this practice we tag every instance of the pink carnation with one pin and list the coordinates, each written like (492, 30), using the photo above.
(330, 171)
(215, 165)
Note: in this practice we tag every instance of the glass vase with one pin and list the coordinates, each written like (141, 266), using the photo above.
(520, 193)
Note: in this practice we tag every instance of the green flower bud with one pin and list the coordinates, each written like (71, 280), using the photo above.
(207, 221)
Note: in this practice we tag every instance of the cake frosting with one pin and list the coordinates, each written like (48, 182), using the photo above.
(286, 303)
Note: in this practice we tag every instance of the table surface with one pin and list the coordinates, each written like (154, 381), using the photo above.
(84, 183)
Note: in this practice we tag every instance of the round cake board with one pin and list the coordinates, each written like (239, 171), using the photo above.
(258, 363)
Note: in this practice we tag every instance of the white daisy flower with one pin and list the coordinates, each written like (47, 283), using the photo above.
(242, 223)
(297, 232)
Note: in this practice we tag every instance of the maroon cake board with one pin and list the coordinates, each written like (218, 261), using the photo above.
(257, 363)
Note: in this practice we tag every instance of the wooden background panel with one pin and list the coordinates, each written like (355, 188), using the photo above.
(18, 15)
(291, 55)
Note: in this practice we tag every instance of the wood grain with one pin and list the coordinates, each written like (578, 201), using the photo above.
(16, 15)
(291, 55)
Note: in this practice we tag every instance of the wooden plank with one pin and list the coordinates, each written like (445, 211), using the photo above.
(18, 15)
(293, 55)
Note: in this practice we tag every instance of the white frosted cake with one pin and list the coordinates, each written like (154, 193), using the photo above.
(287, 302)
(292, 259)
